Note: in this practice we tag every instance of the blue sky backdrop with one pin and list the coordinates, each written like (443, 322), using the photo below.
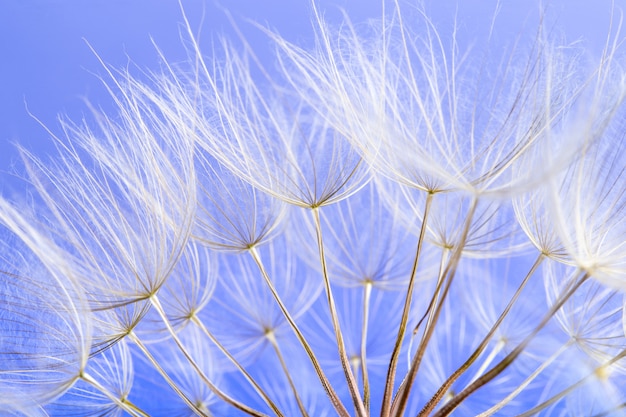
(47, 66)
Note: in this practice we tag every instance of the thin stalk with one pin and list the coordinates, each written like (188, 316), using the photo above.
(572, 387)
(343, 356)
(124, 404)
(527, 381)
(133, 337)
(133, 409)
(433, 301)
(395, 354)
(500, 344)
(402, 396)
(218, 392)
(194, 319)
(514, 354)
(272, 339)
(367, 293)
(432, 403)
(334, 398)
(609, 412)
(449, 273)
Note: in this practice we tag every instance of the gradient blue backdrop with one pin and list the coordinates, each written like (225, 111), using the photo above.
(47, 66)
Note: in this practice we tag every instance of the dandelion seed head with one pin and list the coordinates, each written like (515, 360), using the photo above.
(391, 221)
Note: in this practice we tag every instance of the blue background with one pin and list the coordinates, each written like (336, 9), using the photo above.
(47, 67)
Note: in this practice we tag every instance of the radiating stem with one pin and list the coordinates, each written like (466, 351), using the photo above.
(402, 396)
(133, 337)
(395, 354)
(510, 358)
(343, 356)
(500, 344)
(124, 404)
(218, 392)
(194, 319)
(520, 387)
(433, 301)
(432, 403)
(334, 398)
(272, 339)
(572, 387)
(367, 293)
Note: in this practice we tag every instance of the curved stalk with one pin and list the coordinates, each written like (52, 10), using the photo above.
(432, 403)
(334, 398)
(510, 358)
(367, 293)
(218, 392)
(500, 344)
(433, 301)
(133, 337)
(124, 404)
(195, 320)
(395, 354)
(343, 356)
(272, 339)
(527, 381)
(572, 387)
(402, 396)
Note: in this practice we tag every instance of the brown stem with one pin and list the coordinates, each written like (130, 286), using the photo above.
(218, 392)
(332, 395)
(133, 337)
(194, 319)
(574, 386)
(124, 404)
(510, 358)
(367, 292)
(395, 354)
(402, 397)
(272, 339)
(343, 356)
(432, 403)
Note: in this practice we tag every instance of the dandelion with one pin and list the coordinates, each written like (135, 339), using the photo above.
(386, 224)
(588, 207)
(401, 102)
(113, 369)
(46, 341)
(122, 212)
